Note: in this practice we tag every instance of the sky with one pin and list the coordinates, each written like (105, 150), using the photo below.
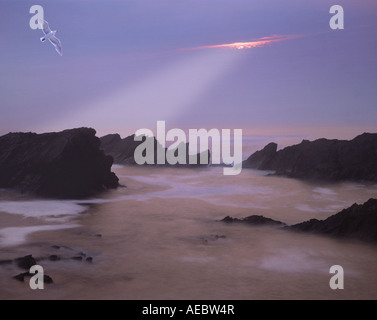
(128, 63)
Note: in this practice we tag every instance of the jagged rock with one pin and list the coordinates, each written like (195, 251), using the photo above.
(261, 159)
(21, 277)
(122, 150)
(321, 159)
(67, 164)
(254, 220)
(357, 221)
(25, 262)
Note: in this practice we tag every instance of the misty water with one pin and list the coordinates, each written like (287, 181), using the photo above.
(160, 238)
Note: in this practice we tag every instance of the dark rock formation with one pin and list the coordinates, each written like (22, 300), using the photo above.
(193, 160)
(21, 277)
(261, 159)
(67, 164)
(3, 262)
(254, 220)
(25, 262)
(321, 159)
(357, 221)
(122, 150)
(78, 258)
(54, 257)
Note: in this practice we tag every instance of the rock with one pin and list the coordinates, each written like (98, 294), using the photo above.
(25, 262)
(190, 159)
(357, 221)
(54, 257)
(212, 237)
(122, 150)
(2, 262)
(21, 277)
(261, 159)
(78, 258)
(322, 159)
(67, 164)
(229, 219)
(89, 259)
(47, 279)
(254, 220)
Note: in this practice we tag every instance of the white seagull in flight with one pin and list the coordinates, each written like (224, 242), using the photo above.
(50, 35)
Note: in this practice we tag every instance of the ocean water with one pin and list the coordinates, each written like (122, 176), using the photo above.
(160, 237)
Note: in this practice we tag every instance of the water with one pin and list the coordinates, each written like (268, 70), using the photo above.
(158, 239)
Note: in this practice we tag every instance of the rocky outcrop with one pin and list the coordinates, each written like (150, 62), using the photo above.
(22, 276)
(254, 220)
(261, 159)
(67, 164)
(122, 150)
(25, 262)
(322, 159)
(357, 221)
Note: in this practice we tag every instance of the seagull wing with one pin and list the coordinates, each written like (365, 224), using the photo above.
(45, 27)
(57, 44)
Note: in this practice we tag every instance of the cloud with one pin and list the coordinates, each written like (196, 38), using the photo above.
(260, 42)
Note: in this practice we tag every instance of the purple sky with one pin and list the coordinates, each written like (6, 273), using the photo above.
(123, 68)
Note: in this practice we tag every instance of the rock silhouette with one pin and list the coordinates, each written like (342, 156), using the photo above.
(123, 150)
(67, 164)
(254, 220)
(322, 159)
(358, 221)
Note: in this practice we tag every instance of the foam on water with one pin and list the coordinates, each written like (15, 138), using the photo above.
(190, 187)
(13, 236)
(293, 260)
(197, 259)
(47, 210)
(324, 191)
(181, 188)
(59, 212)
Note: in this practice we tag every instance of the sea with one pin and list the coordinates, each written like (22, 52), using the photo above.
(160, 236)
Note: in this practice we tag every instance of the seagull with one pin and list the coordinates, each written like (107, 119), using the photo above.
(50, 35)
